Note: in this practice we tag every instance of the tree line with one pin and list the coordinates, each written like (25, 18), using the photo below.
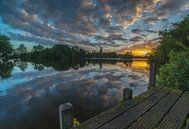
(57, 52)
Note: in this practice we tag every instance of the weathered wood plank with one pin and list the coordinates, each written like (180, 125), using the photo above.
(178, 114)
(129, 117)
(107, 116)
(154, 116)
(187, 123)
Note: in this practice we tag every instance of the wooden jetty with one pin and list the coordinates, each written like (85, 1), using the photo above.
(158, 108)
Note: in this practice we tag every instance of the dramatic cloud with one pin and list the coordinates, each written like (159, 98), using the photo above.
(91, 23)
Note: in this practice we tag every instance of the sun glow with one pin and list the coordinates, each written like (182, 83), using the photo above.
(141, 52)
(140, 66)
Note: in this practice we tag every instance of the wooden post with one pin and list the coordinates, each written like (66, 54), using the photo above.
(66, 116)
(127, 94)
(152, 77)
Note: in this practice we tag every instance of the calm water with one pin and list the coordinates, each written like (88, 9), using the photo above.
(31, 93)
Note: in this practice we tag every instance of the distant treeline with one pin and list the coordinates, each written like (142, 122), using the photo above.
(57, 52)
(63, 52)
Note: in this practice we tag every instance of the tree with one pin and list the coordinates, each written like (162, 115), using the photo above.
(5, 46)
(173, 56)
(176, 72)
(176, 39)
(37, 48)
(21, 49)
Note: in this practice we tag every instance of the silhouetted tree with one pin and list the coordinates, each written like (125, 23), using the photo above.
(37, 48)
(5, 47)
(21, 50)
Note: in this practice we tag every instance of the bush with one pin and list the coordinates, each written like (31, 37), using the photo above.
(176, 72)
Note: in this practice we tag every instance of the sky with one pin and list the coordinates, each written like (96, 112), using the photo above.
(89, 24)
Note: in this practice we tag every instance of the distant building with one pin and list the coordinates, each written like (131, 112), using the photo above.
(101, 50)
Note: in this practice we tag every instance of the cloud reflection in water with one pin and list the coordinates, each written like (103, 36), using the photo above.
(90, 89)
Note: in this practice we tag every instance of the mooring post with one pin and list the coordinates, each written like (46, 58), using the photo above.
(66, 116)
(127, 94)
(152, 76)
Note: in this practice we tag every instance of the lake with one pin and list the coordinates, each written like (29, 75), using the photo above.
(31, 93)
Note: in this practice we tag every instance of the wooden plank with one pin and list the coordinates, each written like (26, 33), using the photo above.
(178, 114)
(154, 116)
(129, 117)
(187, 123)
(106, 116)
